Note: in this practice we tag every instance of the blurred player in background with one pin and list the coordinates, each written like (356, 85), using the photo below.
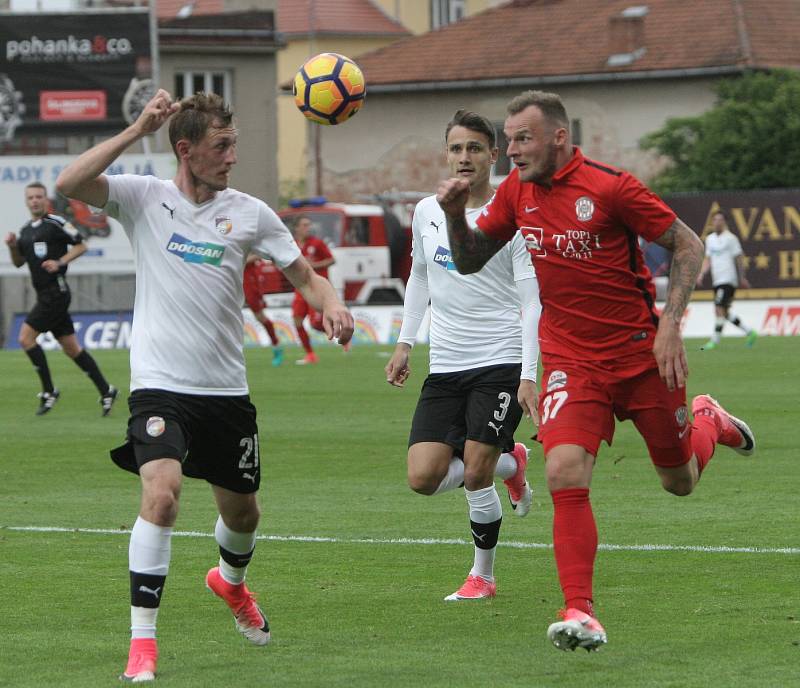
(606, 350)
(319, 257)
(48, 244)
(190, 409)
(254, 291)
(483, 357)
(725, 260)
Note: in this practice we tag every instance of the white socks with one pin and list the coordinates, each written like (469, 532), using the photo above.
(485, 515)
(148, 553)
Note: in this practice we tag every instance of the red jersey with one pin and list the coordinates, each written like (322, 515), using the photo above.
(315, 250)
(582, 233)
(253, 275)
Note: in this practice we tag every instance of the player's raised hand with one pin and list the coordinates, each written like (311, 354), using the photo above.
(156, 112)
(397, 370)
(338, 322)
(452, 195)
(11, 239)
(670, 355)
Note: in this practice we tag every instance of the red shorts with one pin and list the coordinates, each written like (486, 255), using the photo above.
(254, 287)
(301, 309)
(579, 401)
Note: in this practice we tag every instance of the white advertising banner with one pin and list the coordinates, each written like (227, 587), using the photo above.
(381, 325)
(109, 249)
(373, 325)
(771, 318)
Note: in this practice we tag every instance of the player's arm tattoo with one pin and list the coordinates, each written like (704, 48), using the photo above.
(471, 249)
(687, 259)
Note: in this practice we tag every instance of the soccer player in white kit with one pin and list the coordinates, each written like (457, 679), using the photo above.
(190, 410)
(724, 258)
(483, 357)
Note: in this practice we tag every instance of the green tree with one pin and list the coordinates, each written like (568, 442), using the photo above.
(750, 139)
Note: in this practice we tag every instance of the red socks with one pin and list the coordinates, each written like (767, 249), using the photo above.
(270, 328)
(575, 545)
(304, 340)
(704, 438)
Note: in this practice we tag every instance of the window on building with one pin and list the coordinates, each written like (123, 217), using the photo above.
(444, 12)
(190, 82)
(503, 165)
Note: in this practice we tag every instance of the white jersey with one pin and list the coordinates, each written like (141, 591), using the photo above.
(722, 250)
(475, 319)
(187, 317)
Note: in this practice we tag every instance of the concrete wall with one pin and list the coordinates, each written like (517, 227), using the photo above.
(396, 141)
(296, 133)
(89, 293)
(254, 93)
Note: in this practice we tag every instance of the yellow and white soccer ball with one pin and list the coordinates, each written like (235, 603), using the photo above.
(329, 88)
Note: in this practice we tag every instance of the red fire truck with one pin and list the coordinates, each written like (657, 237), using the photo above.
(370, 241)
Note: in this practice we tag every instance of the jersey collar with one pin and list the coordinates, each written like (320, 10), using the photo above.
(574, 163)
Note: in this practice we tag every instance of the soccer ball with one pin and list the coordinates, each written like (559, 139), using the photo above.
(329, 88)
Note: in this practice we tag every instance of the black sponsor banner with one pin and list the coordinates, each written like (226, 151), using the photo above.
(69, 72)
(767, 223)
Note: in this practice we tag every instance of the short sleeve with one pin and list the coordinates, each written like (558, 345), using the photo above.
(498, 219)
(641, 210)
(736, 245)
(73, 235)
(274, 241)
(126, 195)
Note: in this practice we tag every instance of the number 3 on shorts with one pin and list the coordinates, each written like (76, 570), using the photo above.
(505, 399)
(552, 403)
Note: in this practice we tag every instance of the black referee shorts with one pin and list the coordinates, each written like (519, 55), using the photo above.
(479, 404)
(214, 437)
(50, 313)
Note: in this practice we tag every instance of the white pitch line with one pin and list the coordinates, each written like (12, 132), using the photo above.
(426, 541)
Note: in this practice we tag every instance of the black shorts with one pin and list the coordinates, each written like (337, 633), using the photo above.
(723, 295)
(50, 313)
(479, 404)
(214, 437)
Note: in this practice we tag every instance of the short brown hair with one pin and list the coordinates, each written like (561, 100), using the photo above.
(474, 122)
(549, 103)
(36, 185)
(197, 114)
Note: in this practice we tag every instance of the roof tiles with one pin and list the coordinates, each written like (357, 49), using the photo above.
(572, 38)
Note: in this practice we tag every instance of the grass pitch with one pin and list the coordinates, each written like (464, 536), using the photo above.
(352, 566)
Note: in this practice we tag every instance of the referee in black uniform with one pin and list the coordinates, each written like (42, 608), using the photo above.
(47, 243)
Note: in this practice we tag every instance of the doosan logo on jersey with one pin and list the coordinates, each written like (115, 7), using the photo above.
(195, 251)
(443, 258)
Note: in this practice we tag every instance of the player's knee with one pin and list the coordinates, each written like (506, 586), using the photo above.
(422, 483)
(478, 477)
(160, 506)
(562, 477)
(680, 488)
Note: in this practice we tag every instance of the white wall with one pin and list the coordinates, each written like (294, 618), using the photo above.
(396, 141)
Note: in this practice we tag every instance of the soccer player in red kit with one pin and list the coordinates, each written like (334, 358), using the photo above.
(319, 256)
(254, 290)
(606, 350)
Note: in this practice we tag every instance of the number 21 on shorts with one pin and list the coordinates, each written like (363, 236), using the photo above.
(552, 403)
(249, 458)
